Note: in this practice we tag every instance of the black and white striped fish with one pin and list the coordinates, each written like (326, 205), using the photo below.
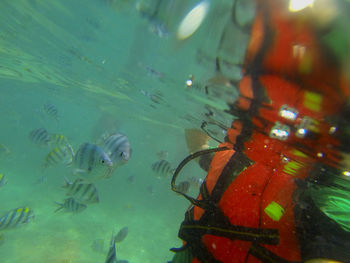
(162, 168)
(91, 163)
(71, 205)
(81, 191)
(40, 137)
(183, 187)
(60, 154)
(16, 217)
(117, 147)
(51, 110)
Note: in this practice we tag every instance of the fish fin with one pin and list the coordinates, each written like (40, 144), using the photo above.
(67, 183)
(108, 173)
(172, 171)
(71, 150)
(196, 140)
(70, 162)
(77, 171)
(59, 208)
(113, 241)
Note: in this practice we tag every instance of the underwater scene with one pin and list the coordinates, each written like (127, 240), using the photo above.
(174, 131)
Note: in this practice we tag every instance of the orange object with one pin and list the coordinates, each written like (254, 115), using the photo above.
(290, 88)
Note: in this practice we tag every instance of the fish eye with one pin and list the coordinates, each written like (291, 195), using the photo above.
(102, 161)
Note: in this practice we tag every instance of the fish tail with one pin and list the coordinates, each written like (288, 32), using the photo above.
(66, 183)
(71, 151)
(60, 207)
(113, 240)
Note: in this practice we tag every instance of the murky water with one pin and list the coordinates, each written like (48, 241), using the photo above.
(110, 66)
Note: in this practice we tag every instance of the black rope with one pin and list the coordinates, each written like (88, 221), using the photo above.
(183, 163)
(204, 124)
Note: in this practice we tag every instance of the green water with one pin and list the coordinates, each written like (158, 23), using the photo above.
(91, 60)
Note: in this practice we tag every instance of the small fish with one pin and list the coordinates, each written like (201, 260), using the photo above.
(154, 97)
(3, 180)
(91, 163)
(117, 147)
(60, 154)
(131, 179)
(16, 217)
(70, 205)
(162, 168)
(112, 253)
(183, 187)
(40, 137)
(51, 110)
(151, 71)
(81, 191)
(121, 235)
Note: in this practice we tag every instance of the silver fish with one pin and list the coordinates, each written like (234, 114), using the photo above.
(70, 205)
(162, 168)
(51, 110)
(91, 163)
(81, 191)
(117, 147)
(3, 180)
(16, 217)
(40, 137)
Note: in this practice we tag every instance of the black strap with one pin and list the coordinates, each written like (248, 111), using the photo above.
(233, 232)
(199, 203)
(266, 255)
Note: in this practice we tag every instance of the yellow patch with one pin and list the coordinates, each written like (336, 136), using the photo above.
(292, 167)
(299, 153)
(274, 211)
(312, 101)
